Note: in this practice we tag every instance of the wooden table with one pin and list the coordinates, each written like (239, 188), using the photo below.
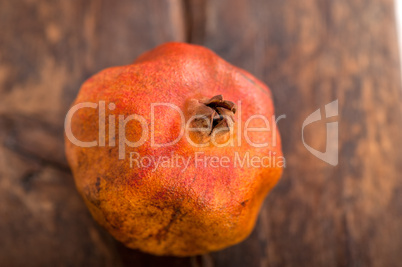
(309, 52)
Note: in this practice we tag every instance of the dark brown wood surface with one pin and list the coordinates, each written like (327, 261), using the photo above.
(309, 52)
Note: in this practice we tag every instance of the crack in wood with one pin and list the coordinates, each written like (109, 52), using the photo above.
(195, 16)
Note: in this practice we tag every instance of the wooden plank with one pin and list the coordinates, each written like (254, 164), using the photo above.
(47, 49)
(311, 53)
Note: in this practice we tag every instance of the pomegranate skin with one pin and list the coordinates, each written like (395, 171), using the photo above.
(174, 209)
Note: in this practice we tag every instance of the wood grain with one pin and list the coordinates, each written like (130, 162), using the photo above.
(309, 52)
(47, 49)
